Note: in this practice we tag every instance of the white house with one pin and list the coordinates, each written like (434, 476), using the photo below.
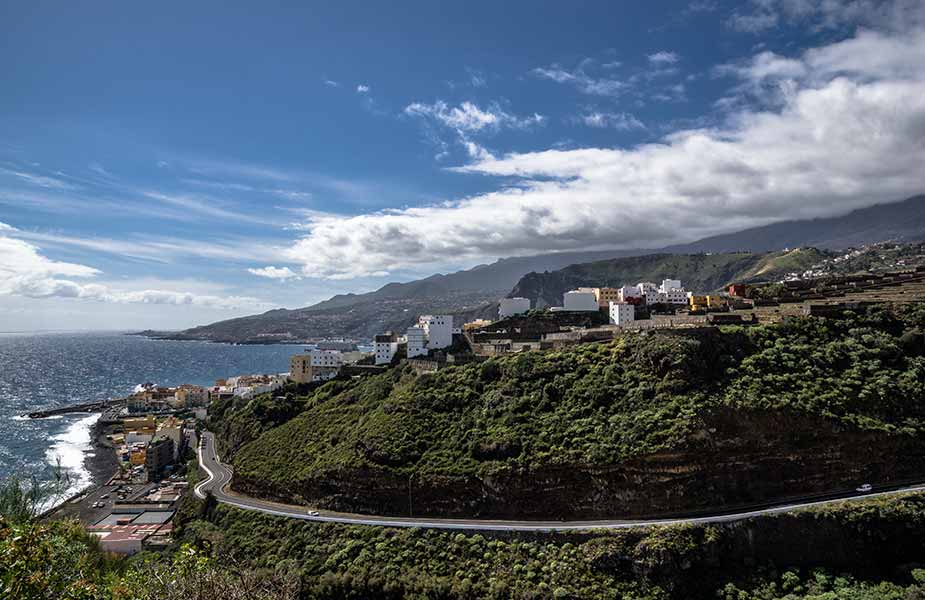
(622, 313)
(508, 307)
(416, 338)
(438, 329)
(386, 345)
(579, 301)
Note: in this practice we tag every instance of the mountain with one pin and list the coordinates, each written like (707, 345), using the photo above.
(474, 291)
(697, 272)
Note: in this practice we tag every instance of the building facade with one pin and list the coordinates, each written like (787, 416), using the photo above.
(315, 365)
(158, 456)
(385, 346)
(416, 339)
(438, 329)
(622, 313)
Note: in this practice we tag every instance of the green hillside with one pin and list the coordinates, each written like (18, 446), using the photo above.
(566, 432)
(697, 272)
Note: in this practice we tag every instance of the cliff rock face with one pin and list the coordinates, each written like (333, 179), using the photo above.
(757, 458)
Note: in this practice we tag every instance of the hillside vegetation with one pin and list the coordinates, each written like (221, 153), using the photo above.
(697, 272)
(225, 553)
(649, 422)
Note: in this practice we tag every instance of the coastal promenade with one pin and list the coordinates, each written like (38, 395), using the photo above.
(219, 476)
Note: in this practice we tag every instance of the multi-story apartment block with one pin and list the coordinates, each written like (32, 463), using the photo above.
(438, 329)
(622, 313)
(386, 345)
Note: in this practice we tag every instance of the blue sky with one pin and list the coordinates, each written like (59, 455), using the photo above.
(164, 165)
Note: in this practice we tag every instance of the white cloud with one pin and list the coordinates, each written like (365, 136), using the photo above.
(271, 272)
(611, 120)
(39, 180)
(24, 271)
(362, 89)
(594, 86)
(469, 117)
(331, 83)
(849, 132)
(663, 58)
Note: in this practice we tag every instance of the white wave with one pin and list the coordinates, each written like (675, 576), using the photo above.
(70, 449)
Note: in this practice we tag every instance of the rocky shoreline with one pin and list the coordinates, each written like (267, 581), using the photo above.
(101, 461)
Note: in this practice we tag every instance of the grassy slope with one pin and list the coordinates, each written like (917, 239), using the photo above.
(600, 404)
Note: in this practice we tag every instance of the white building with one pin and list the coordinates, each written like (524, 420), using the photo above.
(649, 291)
(622, 313)
(579, 301)
(628, 291)
(670, 284)
(416, 339)
(438, 329)
(509, 307)
(671, 292)
(315, 365)
(386, 345)
(673, 296)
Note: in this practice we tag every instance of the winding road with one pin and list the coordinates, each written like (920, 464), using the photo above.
(219, 476)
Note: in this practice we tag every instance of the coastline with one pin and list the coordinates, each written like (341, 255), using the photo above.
(101, 460)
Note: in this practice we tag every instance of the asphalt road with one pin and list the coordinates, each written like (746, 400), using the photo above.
(219, 476)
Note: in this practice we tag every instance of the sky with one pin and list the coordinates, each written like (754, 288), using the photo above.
(170, 164)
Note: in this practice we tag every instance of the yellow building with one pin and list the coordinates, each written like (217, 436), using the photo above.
(697, 302)
(716, 302)
(137, 457)
(144, 425)
(606, 295)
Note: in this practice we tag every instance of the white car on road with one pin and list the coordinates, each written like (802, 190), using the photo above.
(864, 488)
(313, 513)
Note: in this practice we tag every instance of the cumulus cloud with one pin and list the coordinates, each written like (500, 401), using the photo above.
(24, 271)
(663, 58)
(362, 89)
(848, 132)
(271, 272)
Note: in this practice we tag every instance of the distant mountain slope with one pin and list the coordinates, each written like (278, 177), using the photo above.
(697, 272)
(899, 221)
(474, 291)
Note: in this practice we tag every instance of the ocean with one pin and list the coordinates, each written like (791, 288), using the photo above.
(44, 370)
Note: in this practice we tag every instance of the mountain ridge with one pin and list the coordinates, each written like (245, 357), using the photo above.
(473, 291)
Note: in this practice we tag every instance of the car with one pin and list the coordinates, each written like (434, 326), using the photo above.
(104, 496)
(864, 488)
(313, 513)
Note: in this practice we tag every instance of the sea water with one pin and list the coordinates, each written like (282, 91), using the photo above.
(44, 370)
